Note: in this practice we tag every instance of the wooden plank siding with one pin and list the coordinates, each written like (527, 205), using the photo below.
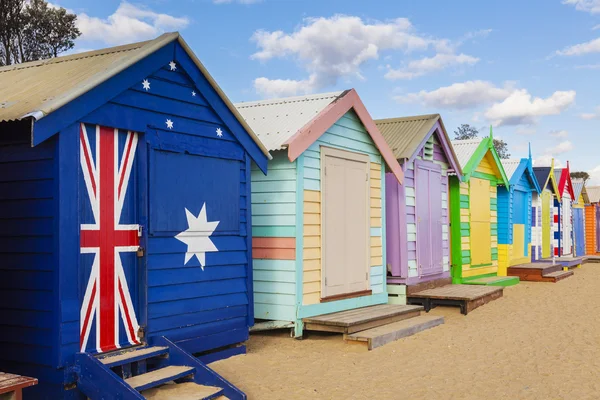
(29, 328)
(348, 134)
(274, 239)
(590, 230)
(198, 309)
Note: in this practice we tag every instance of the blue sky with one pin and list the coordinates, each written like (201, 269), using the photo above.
(529, 68)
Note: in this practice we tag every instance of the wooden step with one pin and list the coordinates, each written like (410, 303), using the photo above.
(467, 297)
(558, 275)
(381, 335)
(130, 356)
(183, 391)
(494, 281)
(158, 377)
(534, 272)
(359, 319)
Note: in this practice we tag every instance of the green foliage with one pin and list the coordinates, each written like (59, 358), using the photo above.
(34, 31)
(465, 132)
(580, 175)
(502, 148)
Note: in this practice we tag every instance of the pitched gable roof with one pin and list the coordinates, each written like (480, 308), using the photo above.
(580, 190)
(545, 177)
(407, 135)
(470, 153)
(593, 194)
(37, 89)
(296, 123)
(564, 182)
(515, 169)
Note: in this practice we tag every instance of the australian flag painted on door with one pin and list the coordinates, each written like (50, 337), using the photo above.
(109, 236)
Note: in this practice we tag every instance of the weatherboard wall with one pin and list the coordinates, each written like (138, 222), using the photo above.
(28, 259)
(472, 205)
(401, 218)
(590, 230)
(274, 239)
(349, 134)
(200, 309)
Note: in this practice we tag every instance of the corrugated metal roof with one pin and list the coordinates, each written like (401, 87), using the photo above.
(510, 167)
(403, 135)
(25, 88)
(577, 188)
(593, 193)
(277, 120)
(465, 149)
(40, 87)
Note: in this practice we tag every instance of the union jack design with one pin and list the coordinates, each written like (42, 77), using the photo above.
(106, 165)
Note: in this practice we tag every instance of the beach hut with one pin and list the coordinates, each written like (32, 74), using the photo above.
(125, 222)
(417, 217)
(563, 227)
(515, 213)
(592, 223)
(318, 217)
(581, 199)
(473, 213)
(543, 213)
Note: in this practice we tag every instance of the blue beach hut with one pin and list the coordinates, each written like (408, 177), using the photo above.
(125, 223)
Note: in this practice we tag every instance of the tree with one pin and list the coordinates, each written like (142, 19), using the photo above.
(580, 175)
(502, 148)
(465, 132)
(34, 31)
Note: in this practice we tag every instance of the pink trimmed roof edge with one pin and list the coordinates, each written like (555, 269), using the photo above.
(317, 126)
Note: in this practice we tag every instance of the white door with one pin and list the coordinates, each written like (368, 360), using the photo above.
(567, 232)
(345, 216)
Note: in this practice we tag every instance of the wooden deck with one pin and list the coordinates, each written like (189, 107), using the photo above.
(591, 259)
(540, 272)
(11, 386)
(419, 287)
(566, 262)
(467, 297)
(360, 319)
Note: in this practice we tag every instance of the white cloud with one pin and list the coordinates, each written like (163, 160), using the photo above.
(592, 115)
(594, 176)
(525, 131)
(593, 46)
(427, 65)
(459, 96)
(590, 6)
(129, 23)
(560, 148)
(521, 109)
(545, 160)
(559, 133)
(337, 47)
(283, 87)
(596, 27)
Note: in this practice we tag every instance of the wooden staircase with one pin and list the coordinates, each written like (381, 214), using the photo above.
(374, 326)
(540, 272)
(161, 371)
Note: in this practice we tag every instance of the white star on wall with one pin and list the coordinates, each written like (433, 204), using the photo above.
(197, 236)
(219, 132)
(146, 84)
(173, 65)
(193, 93)
(169, 123)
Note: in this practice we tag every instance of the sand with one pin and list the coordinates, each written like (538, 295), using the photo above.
(540, 341)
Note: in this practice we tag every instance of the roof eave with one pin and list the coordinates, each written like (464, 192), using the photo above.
(316, 127)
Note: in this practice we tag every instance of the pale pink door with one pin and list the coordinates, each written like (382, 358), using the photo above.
(345, 216)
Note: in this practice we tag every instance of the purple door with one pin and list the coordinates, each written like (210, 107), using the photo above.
(429, 219)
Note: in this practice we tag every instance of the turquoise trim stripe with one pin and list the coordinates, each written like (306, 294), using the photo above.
(274, 231)
(341, 305)
(376, 232)
(299, 326)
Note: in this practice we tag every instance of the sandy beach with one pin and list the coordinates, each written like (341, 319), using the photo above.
(540, 341)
